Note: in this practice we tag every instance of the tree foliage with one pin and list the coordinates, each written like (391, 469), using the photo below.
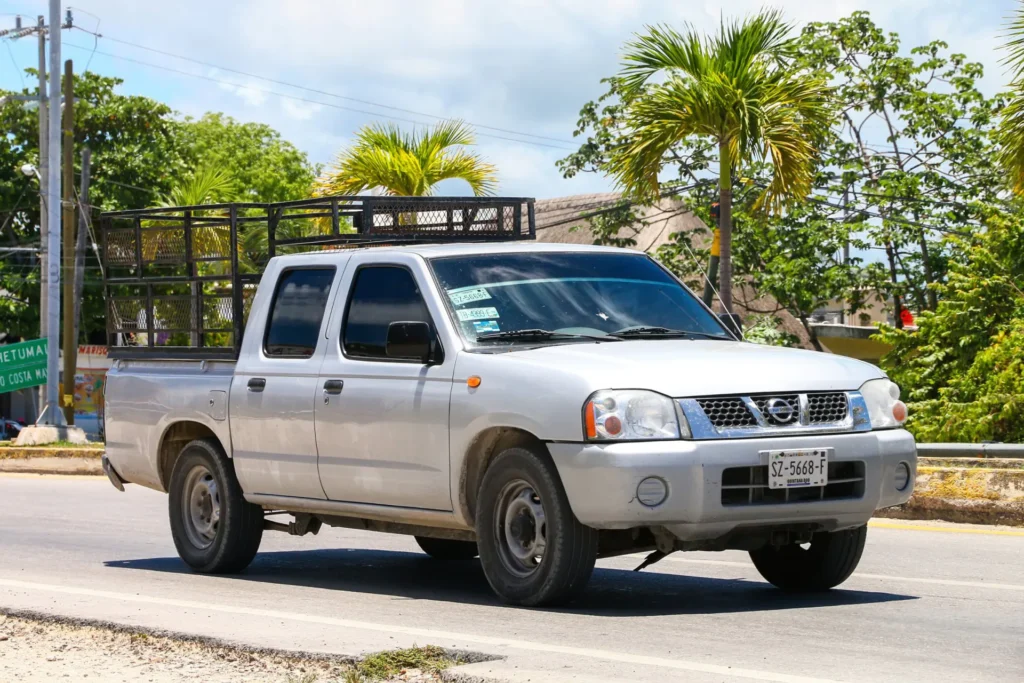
(409, 164)
(737, 89)
(914, 144)
(141, 152)
(962, 370)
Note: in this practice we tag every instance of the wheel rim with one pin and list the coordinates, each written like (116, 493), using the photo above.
(521, 528)
(201, 507)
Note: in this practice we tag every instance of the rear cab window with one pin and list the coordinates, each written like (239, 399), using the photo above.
(297, 312)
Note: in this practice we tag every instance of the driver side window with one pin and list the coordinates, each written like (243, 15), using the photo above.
(380, 296)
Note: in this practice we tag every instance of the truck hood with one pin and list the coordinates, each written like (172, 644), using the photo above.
(681, 368)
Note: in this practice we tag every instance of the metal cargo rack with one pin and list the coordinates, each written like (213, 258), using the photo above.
(179, 281)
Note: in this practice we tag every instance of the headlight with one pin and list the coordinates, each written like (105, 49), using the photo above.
(632, 415)
(885, 408)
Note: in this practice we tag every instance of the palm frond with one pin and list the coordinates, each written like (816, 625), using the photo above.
(1014, 46)
(481, 176)
(205, 185)
(408, 164)
(662, 48)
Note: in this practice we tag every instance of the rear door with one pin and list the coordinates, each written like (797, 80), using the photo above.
(381, 423)
(272, 393)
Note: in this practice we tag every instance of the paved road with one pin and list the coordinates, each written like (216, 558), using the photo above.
(928, 604)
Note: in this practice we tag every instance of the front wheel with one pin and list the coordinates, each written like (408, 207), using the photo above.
(824, 563)
(533, 550)
(215, 529)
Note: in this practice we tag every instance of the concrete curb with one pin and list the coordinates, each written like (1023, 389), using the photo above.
(968, 490)
(71, 464)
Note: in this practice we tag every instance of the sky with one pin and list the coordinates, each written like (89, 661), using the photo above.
(523, 68)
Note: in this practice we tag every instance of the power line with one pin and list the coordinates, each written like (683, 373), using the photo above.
(312, 90)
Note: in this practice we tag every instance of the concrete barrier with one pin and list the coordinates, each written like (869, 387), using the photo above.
(966, 490)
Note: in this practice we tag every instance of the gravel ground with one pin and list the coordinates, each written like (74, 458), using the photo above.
(36, 651)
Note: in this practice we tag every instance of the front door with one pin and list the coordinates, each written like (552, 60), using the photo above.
(382, 423)
(275, 385)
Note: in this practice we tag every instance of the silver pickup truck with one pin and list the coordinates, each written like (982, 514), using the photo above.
(541, 406)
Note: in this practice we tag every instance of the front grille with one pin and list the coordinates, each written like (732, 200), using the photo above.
(791, 414)
(826, 408)
(727, 412)
(749, 486)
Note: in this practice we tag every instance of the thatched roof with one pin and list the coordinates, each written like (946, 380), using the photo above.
(557, 217)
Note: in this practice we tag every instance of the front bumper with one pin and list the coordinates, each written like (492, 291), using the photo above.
(601, 482)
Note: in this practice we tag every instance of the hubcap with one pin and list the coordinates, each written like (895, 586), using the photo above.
(201, 507)
(521, 528)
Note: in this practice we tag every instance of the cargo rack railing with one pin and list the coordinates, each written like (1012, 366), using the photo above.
(179, 281)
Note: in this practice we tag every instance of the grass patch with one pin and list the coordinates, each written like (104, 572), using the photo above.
(64, 445)
(384, 665)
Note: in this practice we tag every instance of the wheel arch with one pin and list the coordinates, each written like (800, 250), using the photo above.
(174, 438)
(479, 455)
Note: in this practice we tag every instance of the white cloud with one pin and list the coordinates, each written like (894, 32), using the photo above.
(300, 111)
(253, 95)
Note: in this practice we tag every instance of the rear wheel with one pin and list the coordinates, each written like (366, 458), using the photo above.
(824, 563)
(215, 530)
(446, 549)
(532, 548)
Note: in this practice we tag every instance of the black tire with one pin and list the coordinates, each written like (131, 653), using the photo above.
(236, 536)
(824, 564)
(447, 549)
(570, 548)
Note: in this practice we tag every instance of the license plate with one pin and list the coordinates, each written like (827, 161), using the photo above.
(798, 468)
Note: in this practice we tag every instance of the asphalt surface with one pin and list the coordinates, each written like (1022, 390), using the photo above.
(928, 603)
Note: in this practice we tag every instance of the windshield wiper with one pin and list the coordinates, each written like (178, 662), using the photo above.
(537, 335)
(655, 331)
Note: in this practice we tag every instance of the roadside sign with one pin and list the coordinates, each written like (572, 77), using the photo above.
(22, 365)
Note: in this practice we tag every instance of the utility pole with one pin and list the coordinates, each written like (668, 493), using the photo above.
(43, 166)
(68, 211)
(80, 244)
(51, 412)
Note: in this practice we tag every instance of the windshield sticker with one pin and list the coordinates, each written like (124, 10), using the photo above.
(467, 314)
(485, 326)
(468, 296)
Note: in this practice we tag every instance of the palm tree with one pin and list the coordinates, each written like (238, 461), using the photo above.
(735, 87)
(407, 164)
(1010, 134)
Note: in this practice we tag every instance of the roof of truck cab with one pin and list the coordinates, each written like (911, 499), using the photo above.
(465, 249)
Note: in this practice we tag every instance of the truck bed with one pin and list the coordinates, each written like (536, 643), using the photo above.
(149, 397)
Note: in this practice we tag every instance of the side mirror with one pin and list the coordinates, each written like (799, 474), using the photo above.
(409, 341)
(733, 322)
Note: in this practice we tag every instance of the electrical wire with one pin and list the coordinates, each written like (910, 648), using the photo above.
(563, 143)
(17, 69)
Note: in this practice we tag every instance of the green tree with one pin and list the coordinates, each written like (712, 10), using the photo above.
(264, 167)
(135, 160)
(914, 144)
(738, 89)
(408, 164)
(962, 370)
(141, 154)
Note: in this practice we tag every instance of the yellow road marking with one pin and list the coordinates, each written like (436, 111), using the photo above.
(944, 529)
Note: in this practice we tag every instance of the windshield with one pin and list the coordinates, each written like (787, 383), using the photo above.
(538, 297)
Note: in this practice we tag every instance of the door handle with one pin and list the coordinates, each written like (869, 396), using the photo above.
(257, 384)
(332, 387)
